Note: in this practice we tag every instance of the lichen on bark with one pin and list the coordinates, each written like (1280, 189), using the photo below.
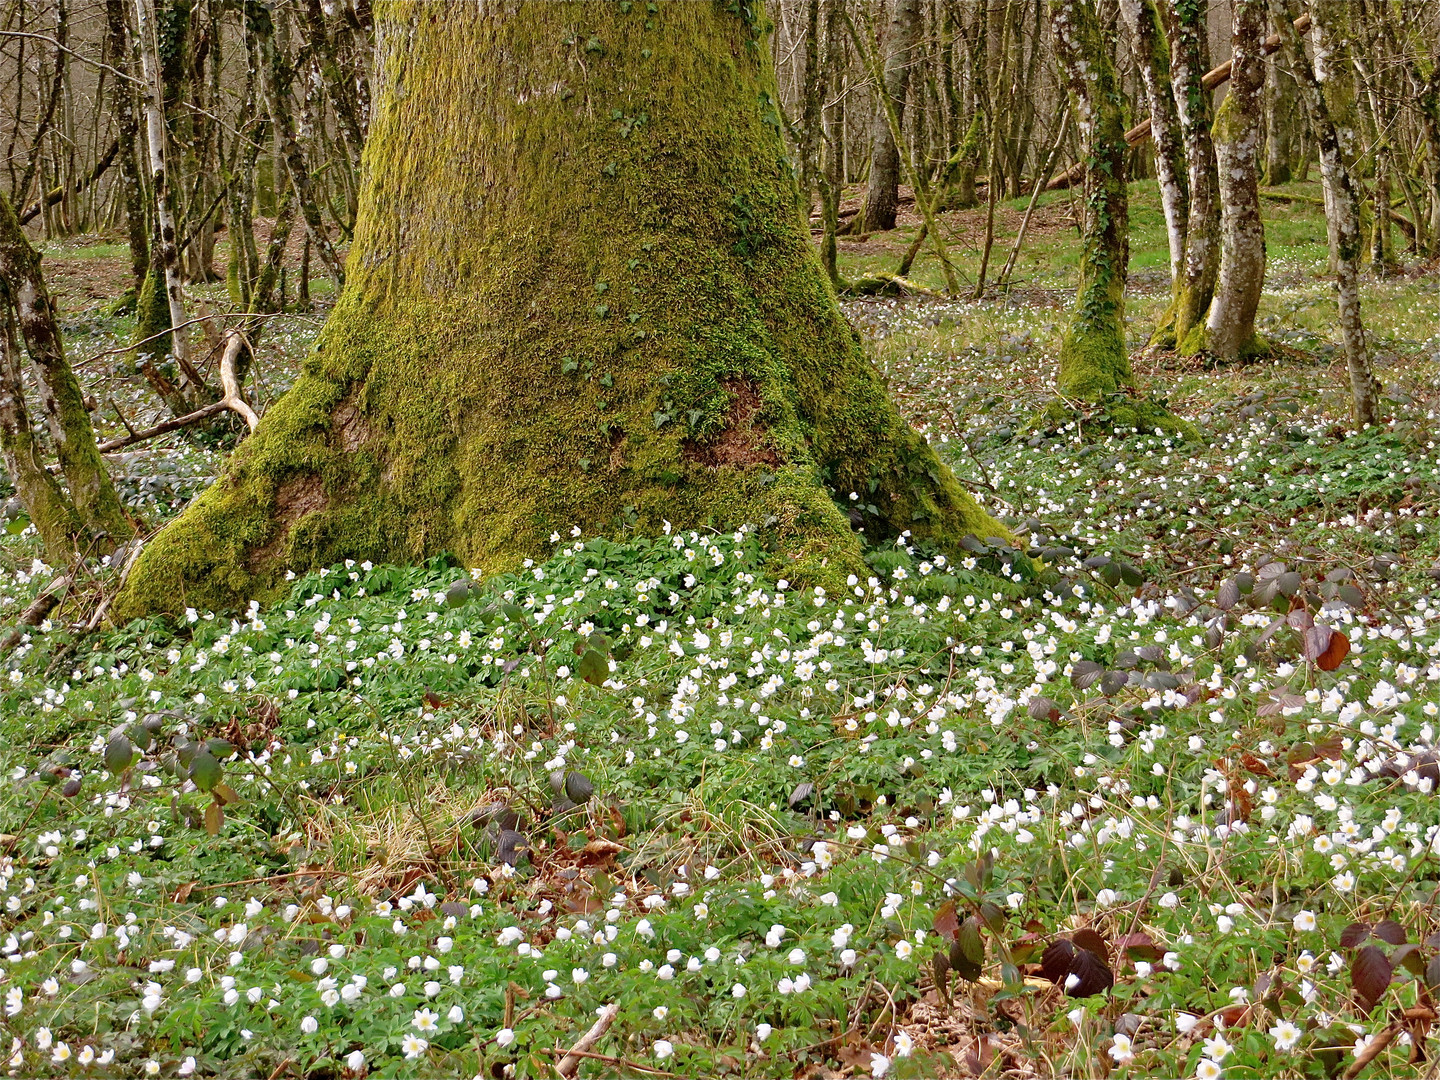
(580, 292)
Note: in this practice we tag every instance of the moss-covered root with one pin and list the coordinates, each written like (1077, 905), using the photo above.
(1118, 414)
(1199, 340)
(580, 293)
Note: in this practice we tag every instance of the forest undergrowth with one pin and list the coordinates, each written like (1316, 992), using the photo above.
(1171, 812)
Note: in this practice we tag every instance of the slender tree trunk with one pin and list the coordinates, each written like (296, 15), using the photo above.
(122, 97)
(1143, 22)
(167, 248)
(1279, 124)
(1094, 361)
(1342, 221)
(574, 321)
(882, 195)
(1193, 289)
(91, 492)
(1229, 329)
(833, 172)
(275, 79)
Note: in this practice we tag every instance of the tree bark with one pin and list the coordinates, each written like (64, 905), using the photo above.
(39, 492)
(167, 251)
(882, 194)
(1143, 22)
(1195, 286)
(1229, 329)
(1342, 220)
(1279, 124)
(580, 294)
(1094, 361)
(91, 493)
(275, 79)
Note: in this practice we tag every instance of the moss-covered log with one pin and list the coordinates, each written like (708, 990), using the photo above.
(580, 292)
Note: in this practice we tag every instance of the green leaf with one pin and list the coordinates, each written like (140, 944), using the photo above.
(205, 771)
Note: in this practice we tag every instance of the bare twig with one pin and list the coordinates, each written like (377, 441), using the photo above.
(191, 322)
(571, 1061)
(234, 398)
(648, 1070)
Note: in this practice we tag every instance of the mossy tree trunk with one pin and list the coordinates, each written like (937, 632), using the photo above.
(1342, 221)
(1189, 59)
(40, 493)
(1428, 98)
(580, 293)
(1229, 330)
(1094, 361)
(22, 288)
(882, 193)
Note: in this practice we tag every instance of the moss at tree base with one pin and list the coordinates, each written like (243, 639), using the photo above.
(1116, 414)
(1197, 342)
(580, 293)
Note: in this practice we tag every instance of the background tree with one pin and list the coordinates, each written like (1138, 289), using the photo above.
(605, 309)
(1229, 329)
(882, 193)
(1094, 360)
(1342, 218)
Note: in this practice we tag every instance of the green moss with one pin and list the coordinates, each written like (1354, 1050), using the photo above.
(152, 315)
(628, 328)
(1197, 342)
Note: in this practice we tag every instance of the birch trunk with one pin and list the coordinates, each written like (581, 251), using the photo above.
(167, 243)
(122, 96)
(1229, 329)
(1342, 218)
(1143, 22)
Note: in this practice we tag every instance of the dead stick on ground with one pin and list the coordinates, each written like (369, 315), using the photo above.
(41, 606)
(610, 1059)
(233, 400)
(571, 1061)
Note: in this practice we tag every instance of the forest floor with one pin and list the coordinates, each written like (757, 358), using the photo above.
(380, 829)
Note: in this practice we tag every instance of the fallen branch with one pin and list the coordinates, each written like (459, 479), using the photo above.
(610, 1059)
(234, 395)
(1141, 131)
(40, 607)
(54, 195)
(570, 1063)
(164, 427)
(233, 400)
